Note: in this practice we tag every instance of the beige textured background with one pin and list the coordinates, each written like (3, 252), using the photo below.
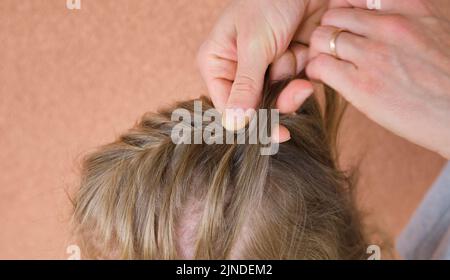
(71, 80)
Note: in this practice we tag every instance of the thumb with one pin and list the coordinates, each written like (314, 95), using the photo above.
(246, 91)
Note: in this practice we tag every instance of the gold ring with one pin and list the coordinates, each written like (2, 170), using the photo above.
(333, 46)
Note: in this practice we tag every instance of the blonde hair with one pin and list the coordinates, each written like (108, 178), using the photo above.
(144, 197)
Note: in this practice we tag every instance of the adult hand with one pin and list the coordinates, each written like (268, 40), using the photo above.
(250, 35)
(394, 65)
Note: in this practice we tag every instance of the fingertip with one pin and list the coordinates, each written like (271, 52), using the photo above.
(290, 64)
(245, 92)
(313, 69)
(280, 134)
(236, 119)
(283, 67)
(334, 72)
(294, 95)
(219, 90)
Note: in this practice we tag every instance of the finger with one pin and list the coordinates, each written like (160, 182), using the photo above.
(247, 87)
(362, 4)
(246, 90)
(349, 47)
(411, 7)
(361, 22)
(280, 134)
(290, 64)
(311, 21)
(218, 72)
(376, 27)
(294, 95)
(338, 74)
(219, 90)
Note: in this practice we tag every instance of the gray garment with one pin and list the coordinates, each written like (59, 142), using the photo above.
(427, 235)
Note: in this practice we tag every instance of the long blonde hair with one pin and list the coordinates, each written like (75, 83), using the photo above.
(137, 193)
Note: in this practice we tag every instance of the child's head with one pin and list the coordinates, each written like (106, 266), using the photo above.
(144, 197)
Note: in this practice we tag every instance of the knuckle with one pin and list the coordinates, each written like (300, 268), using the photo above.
(330, 16)
(366, 86)
(264, 48)
(327, 17)
(322, 60)
(380, 52)
(397, 26)
(317, 37)
(244, 84)
(316, 68)
(423, 5)
(333, 17)
(314, 38)
(369, 84)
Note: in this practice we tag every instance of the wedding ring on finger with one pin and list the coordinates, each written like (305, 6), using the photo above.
(333, 42)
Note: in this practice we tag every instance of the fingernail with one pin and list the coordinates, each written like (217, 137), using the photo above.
(280, 134)
(234, 119)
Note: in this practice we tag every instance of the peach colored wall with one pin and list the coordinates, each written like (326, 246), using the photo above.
(73, 79)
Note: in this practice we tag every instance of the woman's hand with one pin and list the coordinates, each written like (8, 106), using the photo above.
(250, 35)
(394, 65)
